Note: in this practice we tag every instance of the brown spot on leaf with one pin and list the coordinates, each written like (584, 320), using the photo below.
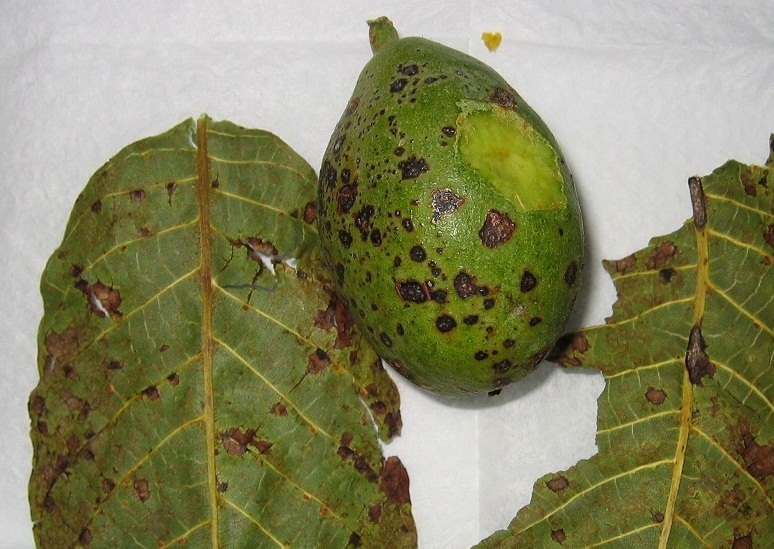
(624, 265)
(394, 481)
(103, 300)
(108, 485)
(558, 536)
(59, 347)
(661, 255)
(569, 350)
(558, 483)
(444, 202)
(222, 487)
(235, 440)
(665, 275)
(85, 537)
(657, 517)
(768, 236)
(759, 460)
(375, 512)
(137, 196)
(151, 393)
(655, 396)
(173, 379)
(336, 315)
(742, 541)
(355, 540)
(318, 360)
(497, 229)
(96, 207)
(310, 213)
(696, 359)
(142, 489)
(279, 409)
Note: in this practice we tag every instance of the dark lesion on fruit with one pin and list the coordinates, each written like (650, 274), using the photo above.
(498, 228)
(413, 167)
(528, 281)
(412, 291)
(504, 98)
(445, 323)
(571, 273)
(445, 202)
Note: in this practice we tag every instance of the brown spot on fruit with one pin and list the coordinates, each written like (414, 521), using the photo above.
(439, 296)
(502, 366)
(534, 321)
(661, 255)
(413, 167)
(445, 202)
(142, 489)
(696, 359)
(448, 131)
(497, 229)
(345, 237)
(409, 70)
(470, 320)
(408, 224)
(481, 355)
(528, 281)
(385, 339)
(394, 481)
(655, 396)
(465, 285)
(558, 536)
(558, 483)
(445, 323)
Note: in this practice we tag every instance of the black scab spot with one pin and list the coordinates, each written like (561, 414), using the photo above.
(376, 237)
(399, 151)
(385, 339)
(397, 261)
(535, 320)
(418, 254)
(408, 224)
(571, 273)
(444, 202)
(346, 197)
(445, 323)
(489, 303)
(413, 167)
(502, 366)
(448, 131)
(410, 70)
(528, 281)
(465, 285)
(498, 228)
(439, 296)
(411, 291)
(481, 355)
(399, 329)
(340, 272)
(345, 238)
(508, 343)
(329, 175)
(398, 85)
(346, 174)
(470, 320)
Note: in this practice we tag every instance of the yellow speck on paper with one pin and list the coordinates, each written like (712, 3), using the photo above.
(491, 40)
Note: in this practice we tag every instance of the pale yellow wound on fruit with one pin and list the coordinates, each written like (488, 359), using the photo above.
(509, 154)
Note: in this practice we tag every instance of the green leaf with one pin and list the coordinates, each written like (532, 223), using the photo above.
(685, 430)
(194, 386)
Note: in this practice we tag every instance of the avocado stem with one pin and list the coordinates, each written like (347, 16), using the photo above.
(380, 33)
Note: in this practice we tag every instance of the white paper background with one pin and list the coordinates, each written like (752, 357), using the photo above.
(641, 95)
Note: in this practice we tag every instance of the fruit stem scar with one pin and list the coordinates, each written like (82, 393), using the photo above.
(205, 239)
(380, 33)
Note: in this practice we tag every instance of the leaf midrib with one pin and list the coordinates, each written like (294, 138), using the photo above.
(205, 239)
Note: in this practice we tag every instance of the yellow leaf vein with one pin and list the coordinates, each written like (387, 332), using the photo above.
(741, 309)
(259, 163)
(623, 535)
(762, 213)
(183, 537)
(252, 519)
(736, 242)
(638, 420)
(753, 389)
(273, 387)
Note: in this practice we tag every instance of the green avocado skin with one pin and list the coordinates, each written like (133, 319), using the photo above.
(457, 287)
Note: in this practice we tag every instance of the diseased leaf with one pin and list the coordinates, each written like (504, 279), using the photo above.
(685, 430)
(194, 386)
